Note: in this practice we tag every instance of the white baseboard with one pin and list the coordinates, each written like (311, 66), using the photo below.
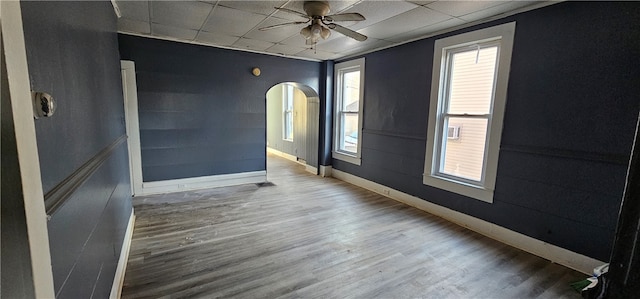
(204, 182)
(118, 280)
(542, 249)
(282, 154)
(325, 171)
(311, 169)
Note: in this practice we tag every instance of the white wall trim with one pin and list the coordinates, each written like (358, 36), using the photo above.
(118, 280)
(542, 249)
(282, 154)
(325, 171)
(203, 182)
(311, 169)
(130, 93)
(26, 144)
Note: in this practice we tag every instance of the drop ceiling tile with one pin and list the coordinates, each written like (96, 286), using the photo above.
(344, 43)
(181, 14)
(405, 22)
(276, 34)
(496, 10)
(261, 7)
(133, 26)
(253, 44)
(285, 49)
(376, 11)
(232, 21)
(295, 40)
(316, 54)
(217, 39)
(340, 6)
(427, 30)
(134, 10)
(177, 33)
(459, 8)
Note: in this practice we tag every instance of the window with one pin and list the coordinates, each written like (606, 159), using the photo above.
(468, 95)
(287, 103)
(349, 86)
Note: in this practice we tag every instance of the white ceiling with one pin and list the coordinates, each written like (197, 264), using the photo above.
(234, 24)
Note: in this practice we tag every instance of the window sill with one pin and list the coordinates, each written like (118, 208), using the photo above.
(461, 188)
(353, 159)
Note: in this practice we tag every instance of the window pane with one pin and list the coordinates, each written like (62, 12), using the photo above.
(288, 125)
(350, 91)
(464, 153)
(472, 80)
(289, 98)
(349, 134)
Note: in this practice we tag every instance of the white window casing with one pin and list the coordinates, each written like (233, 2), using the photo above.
(287, 116)
(344, 115)
(450, 124)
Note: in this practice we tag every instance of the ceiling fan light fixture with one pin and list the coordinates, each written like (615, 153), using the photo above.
(306, 32)
(316, 29)
(325, 33)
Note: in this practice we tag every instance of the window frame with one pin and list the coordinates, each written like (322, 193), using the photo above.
(339, 70)
(436, 132)
(287, 97)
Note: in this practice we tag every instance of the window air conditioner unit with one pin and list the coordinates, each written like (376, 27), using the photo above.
(453, 133)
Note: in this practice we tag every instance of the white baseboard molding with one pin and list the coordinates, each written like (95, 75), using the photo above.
(311, 169)
(118, 280)
(204, 182)
(542, 249)
(282, 154)
(325, 171)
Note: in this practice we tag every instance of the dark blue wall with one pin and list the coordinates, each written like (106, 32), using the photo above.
(573, 98)
(72, 53)
(201, 110)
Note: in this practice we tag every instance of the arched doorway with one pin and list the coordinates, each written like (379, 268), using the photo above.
(293, 118)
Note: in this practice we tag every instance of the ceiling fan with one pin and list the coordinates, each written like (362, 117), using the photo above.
(316, 13)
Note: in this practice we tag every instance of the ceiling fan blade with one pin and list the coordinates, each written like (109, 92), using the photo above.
(282, 25)
(348, 32)
(345, 17)
(291, 11)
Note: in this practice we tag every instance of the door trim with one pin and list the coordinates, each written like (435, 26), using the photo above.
(130, 91)
(15, 55)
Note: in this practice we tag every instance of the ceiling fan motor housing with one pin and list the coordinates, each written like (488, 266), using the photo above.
(316, 9)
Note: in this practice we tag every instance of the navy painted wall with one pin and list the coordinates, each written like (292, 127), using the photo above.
(573, 98)
(72, 53)
(201, 110)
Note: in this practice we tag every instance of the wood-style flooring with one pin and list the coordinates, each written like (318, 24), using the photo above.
(312, 237)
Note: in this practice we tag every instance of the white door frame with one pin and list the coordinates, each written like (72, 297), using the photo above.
(15, 57)
(130, 91)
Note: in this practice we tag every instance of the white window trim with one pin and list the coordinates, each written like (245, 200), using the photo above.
(285, 101)
(484, 192)
(338, 69)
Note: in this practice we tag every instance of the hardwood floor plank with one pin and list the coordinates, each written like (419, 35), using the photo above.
(313, 237)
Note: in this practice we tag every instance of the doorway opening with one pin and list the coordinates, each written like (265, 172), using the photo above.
(293, 116)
